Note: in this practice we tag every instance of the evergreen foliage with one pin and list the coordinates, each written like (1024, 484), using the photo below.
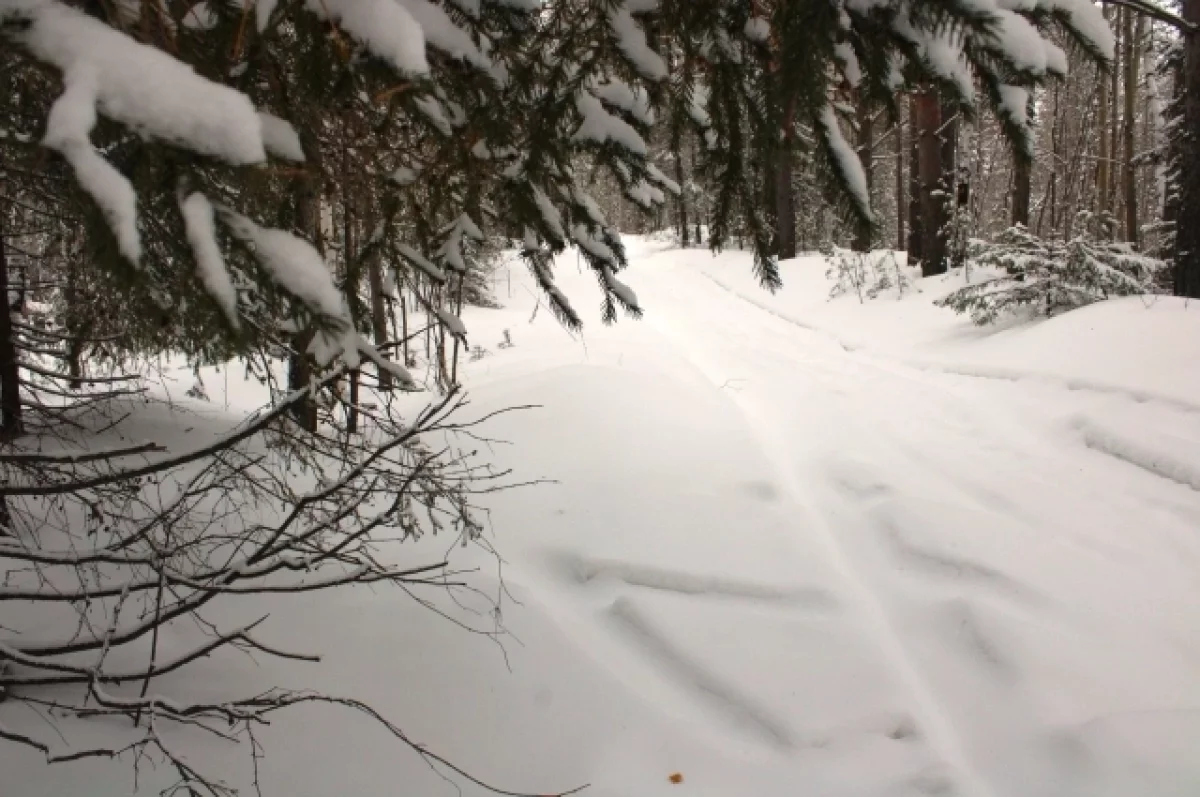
(1048, 277)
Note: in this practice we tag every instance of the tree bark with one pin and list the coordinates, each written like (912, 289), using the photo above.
(930, 172)
(1113, 127)
(681, 200)
(915, 234)
(1102, 160)
(10, 372)
(1022, 186)
(1187, 233)
(898, 154)
(308, 218)
(785, 206)
(1051, 200)
(866, 156)
(1129, 177)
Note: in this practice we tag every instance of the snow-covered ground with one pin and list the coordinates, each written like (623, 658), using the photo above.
(793, 546)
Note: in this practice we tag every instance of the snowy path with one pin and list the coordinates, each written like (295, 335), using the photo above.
(776, 564)
(1007, 607)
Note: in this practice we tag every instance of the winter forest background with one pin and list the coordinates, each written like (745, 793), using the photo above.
(316, 197)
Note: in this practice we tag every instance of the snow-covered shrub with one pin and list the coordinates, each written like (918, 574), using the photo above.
(1050, 276)
(865, 274)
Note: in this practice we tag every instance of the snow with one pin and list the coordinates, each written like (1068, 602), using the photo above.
(600, 126)
(942, 54)
(137, 85)
(848, 164)
(433, 111)
(757, 29)
(1014, 103)
(405, 175)
(589, 205)
(623, 291)
(200, 17)
(594, 247)
(1086, 19)
(451, 250)
(293, 263)
(657, 176)
(453, 324)
(68, 127)
(1020, 42)
(263, 9)
(441, 32)
(200, 224)
(386, 27)
(849, 62)
(619, 93)
(867, 548)
(632, 42)
(281, 138)
(549, 214)
(421, 262)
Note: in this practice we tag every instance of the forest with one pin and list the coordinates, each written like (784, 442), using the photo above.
(275, 269)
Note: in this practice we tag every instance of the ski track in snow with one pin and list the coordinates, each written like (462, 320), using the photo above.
(931, 718)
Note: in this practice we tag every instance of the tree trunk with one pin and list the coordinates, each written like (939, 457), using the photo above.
(408, 358)
(866, 156)
(300, 373)
(785, 206)
(1103, 155)
(379, 326)
(1129, 177)
(10, 372)
(1022, 173)
(898, 154)
(458, 312)
(681, 200)
(930, 172)
(1113, 127)
(915, 234)
(353, 276)
(1187, 234)
(352, 410)
(1050, 202)
(77, 326)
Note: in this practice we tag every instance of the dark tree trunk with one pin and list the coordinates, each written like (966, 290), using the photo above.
(1113, 128)
(898, 153)
(10, 373)
(1102, 160)
(948, 133)
(916, 236)
(1022, 169)
(458, 306)
(1187, 233)
(78, 327)
(300, 371)
(930, 171)
(379, 326)
(784, 203)
(1128, 174)
(352, 412)
(866, 156)
(681, 200)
